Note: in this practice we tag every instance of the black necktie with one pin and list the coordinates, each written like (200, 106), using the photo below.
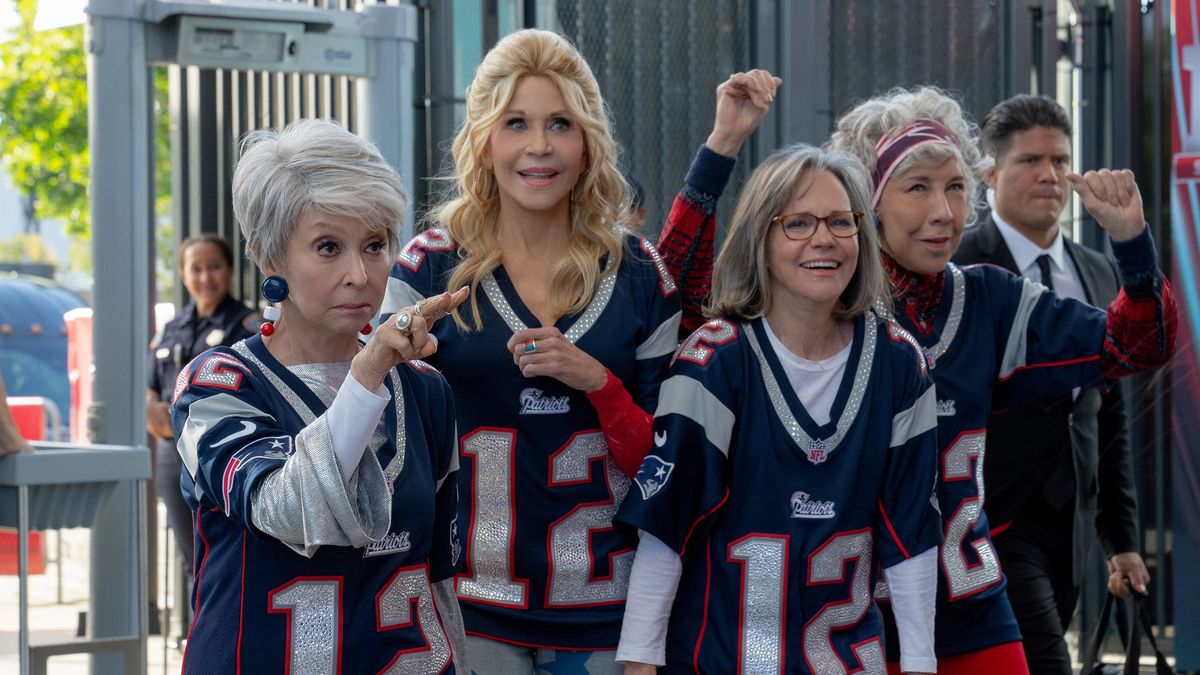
(1060, 488)
(1043, 263)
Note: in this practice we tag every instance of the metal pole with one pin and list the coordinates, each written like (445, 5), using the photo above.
(23, 577)
(119, 140)
(384, 99)
(1019, 36)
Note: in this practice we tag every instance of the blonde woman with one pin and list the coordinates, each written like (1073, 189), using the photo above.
(555, 361)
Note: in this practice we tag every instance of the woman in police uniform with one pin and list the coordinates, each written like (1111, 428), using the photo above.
(212, 318)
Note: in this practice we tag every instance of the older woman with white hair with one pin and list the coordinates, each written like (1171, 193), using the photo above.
(794, 451)
(321, 471)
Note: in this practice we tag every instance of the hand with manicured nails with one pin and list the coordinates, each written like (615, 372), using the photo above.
(392, 346)
(1113, 199)
(556, 356)
(742, 102)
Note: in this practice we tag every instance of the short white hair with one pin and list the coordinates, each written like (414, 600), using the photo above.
(859, 130)
(311, 166)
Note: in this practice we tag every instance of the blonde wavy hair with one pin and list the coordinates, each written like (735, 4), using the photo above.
(470, 209)
(859, 130)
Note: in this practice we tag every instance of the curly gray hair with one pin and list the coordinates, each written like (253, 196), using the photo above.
(860, 130)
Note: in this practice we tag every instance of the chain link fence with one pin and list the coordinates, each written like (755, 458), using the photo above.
(658, 64)
(875, 45)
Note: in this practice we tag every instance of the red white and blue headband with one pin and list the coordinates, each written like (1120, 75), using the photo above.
(893, 147)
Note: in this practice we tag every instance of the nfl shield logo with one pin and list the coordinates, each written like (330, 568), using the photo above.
(817, 451)
(653, 475)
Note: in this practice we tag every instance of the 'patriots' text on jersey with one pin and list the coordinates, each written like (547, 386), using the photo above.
(544, 566)
(351, 591)
(783, 524)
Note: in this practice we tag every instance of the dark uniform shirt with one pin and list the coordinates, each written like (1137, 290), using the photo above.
(188, 335)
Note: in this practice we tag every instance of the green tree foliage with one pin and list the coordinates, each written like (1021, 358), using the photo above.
(44, 127)
(43, 118)
(28, 248)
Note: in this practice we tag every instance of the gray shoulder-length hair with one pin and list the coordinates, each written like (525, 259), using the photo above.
(311, 165)
(741, 287)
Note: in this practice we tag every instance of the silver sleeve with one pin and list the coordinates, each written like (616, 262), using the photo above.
(305, 503)
(452, 622)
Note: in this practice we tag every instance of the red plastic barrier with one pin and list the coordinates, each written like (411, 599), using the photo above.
(29, 412)
(79, 369)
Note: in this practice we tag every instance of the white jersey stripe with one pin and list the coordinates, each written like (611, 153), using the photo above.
(921, 417)
(399, 295)
(685, 396)
(663, 341)
(1015, 349)
(206, 413)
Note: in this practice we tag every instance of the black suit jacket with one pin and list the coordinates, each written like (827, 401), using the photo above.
(1030, 447)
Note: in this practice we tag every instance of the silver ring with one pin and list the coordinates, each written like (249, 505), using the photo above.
(530, 346)
(403, 321)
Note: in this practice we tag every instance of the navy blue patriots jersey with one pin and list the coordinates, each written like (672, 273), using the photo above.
(544, 565)
(997, 340)
(263, 606)
(782, 524)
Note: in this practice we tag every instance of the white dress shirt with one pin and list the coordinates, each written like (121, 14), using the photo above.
(1062, 269)
(1025, 253)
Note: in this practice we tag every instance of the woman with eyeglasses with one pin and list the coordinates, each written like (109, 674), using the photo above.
(794, 451)
(990, 338)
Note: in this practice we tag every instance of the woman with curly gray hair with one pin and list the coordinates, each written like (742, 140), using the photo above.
(991, 339)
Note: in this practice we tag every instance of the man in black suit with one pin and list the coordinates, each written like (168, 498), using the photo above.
(1058, 469)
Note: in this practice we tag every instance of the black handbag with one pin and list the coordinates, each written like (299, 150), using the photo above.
(1140, 624)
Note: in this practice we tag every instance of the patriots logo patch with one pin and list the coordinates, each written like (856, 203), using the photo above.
(455, 544)
(392, 542)
(270, 448)
(804, 506)
(653, 475)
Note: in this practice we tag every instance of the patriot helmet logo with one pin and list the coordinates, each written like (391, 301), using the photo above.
(804, 506)
(653, 475)
(535, 402)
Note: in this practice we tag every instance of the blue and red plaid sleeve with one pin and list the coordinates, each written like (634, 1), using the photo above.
(687, 242)
(1143, 320)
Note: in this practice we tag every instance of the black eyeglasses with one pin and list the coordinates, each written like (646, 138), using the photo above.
(801, 226)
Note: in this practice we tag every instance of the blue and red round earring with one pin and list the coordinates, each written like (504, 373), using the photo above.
(275, 290)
